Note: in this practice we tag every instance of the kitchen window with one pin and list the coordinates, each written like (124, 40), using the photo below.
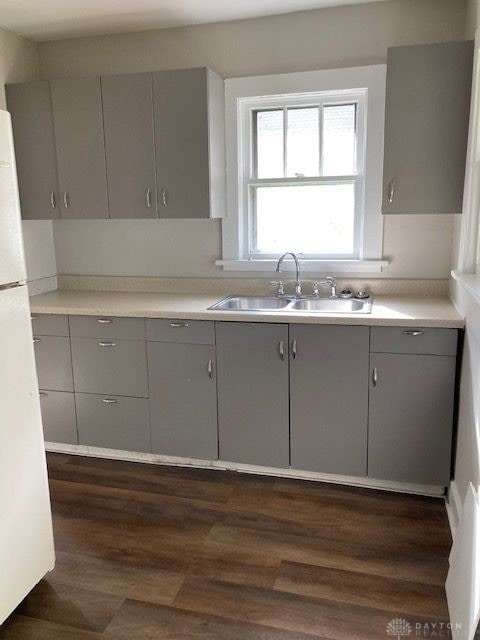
(304, 174)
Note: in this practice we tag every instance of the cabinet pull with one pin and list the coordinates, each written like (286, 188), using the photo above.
(107, 344)
(53, 200)
(210, 369)
(104, 321)
(391, 191)
(179, 325)
(281, 349)
(109, 401)
(412, 332)
(164, 197)
(35, 340)
(42, 394)
(65, 200)
(374, 376)
(148, 198)
(294, 349)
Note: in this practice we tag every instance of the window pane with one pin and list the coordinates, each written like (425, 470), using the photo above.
(269, 143)
(339, 138)
(303, 142)
(308, 219)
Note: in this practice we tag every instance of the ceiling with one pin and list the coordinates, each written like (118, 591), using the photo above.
(56, 19)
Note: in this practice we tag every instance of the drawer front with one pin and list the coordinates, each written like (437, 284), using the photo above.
(183, 331)
(54, 363)
(113, 422)
(417, 340)
(58, 417)
(117, 367)
(107, 327)
(48, 324)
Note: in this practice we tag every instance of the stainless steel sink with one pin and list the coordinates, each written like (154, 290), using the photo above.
(310, 305)
(249, 303)
(338, 305)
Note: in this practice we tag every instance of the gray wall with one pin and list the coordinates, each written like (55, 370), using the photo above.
(328, 38)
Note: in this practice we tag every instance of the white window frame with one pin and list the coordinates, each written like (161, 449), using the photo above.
(363, 85)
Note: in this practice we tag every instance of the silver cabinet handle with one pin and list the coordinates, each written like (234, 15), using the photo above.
(32, 317)
(148, 198)
(374, 376)
(294, 348)
(107, 344)
(164, 197)
(109, 401)
(53, 200)
(179, 325)
(104, 321)
(35, 340)
(281, 349)
(210, 369)
(413, 332)
(65, 200)
(391, 191)
(42, 394)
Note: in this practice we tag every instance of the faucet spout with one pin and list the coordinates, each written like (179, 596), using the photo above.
(298, 281)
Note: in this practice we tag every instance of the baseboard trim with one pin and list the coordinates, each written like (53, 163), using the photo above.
(150, 458)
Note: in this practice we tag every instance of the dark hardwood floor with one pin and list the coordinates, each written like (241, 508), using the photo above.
(156, 553)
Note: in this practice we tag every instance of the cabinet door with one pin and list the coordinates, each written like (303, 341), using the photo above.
(183, 400)
(426, 127)
(252, 383)
(77, 116)
(181, 143)
(129, 145)
(411, 417)
(58, 417)
(30, 105)
(54, 363)
(329, 398)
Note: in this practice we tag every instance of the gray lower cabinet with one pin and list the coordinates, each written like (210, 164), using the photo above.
(117, 367)
(252, 383)
(30, 105)
(54, 363)
(411, 417)
(426, 127)
(183, 400)
(79, 138)
(113, 422)
(129, 146)
(58, 417)
(329, 398)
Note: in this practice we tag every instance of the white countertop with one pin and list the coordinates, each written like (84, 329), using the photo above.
(405, 311)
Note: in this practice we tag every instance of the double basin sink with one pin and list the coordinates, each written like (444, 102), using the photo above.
(312, 304)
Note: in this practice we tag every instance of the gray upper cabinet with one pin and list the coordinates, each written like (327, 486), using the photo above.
(426, 127)
(31, 108)
(129, 145)
(77, 116)
(411, 417)
(189, 143)
(183, 400)
(252, 383)
(329, 398)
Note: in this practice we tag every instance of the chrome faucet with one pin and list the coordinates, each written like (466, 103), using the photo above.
(329, 281)
(298, 282)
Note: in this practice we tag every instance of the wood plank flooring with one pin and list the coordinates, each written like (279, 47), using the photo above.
(156, 553)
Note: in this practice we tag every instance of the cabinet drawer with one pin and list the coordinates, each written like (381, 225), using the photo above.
(54, 363)
(117, 367)
(113, 422)
(184, 331)
(417, 340)
(107, 327)
(49, 324)
(58, 417)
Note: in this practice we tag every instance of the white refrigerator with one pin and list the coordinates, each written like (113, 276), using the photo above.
(26, 538)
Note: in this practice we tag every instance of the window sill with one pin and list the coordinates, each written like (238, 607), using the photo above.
(318, 266)
(470, 282)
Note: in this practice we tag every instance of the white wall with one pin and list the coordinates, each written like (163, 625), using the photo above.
(419, 246)
(18, 63)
